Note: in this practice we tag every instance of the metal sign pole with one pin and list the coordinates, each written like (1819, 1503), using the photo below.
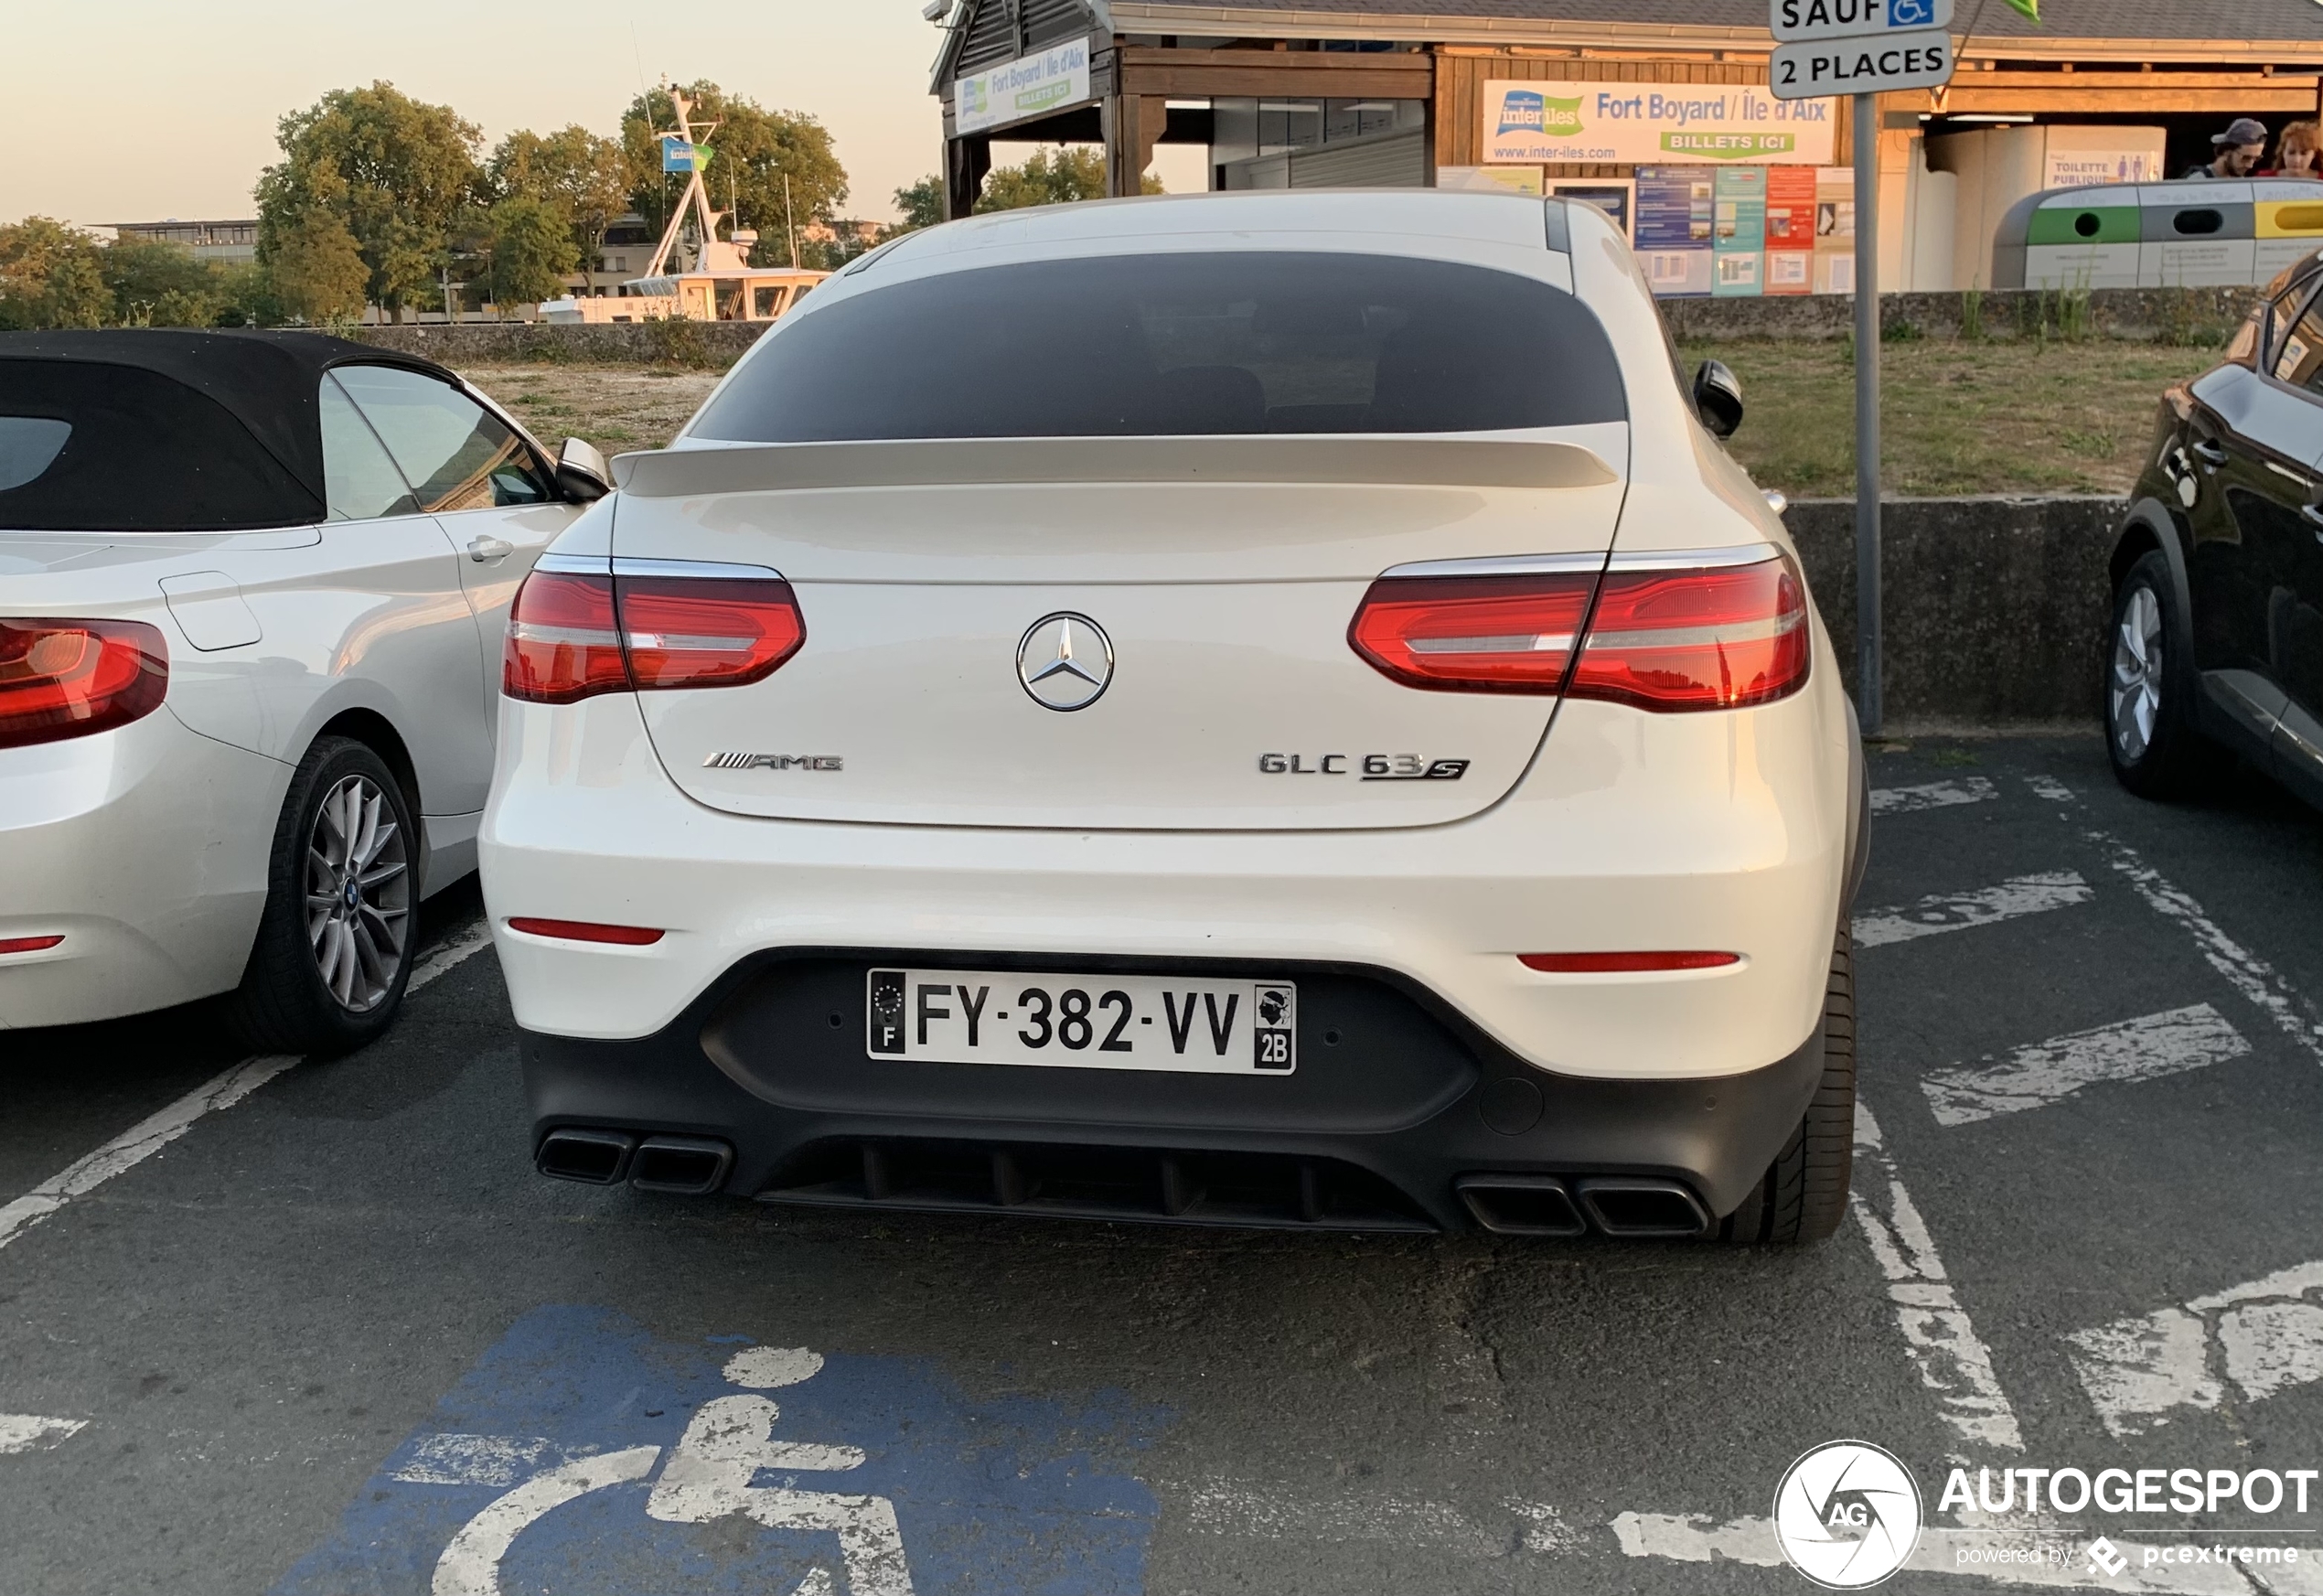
(1866, 412)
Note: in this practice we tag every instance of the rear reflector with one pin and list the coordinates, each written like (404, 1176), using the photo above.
(27, 944)
(1623, 963)
(572, 635)
(69, 679)
(585, 931)
(1716, 637)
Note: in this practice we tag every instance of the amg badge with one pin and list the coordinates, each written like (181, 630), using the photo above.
(772, 761)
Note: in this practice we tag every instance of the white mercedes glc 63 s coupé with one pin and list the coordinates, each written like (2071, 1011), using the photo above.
(1258, 709)
(252, 593)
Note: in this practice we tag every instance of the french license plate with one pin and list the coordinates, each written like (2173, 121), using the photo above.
(1082, 1022)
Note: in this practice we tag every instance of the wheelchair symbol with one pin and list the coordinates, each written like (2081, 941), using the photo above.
(1912, 13)
(708, 1477)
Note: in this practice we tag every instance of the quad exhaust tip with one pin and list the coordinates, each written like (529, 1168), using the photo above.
(1627, 1207)
(687, 1165)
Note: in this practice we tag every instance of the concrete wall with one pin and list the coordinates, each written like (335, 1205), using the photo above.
(712, 344)
(2178, 315)
(2184, 315)
(1994, 610)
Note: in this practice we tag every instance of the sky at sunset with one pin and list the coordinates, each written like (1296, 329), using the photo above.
(133, 110)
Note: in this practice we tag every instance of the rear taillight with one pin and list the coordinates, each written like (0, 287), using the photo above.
(1712, 637)
(1681, 638)
(562, 643)
(67, 678)
(576, 633)
(1473, 634)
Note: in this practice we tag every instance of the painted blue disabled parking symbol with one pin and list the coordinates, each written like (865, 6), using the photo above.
(583, 1457)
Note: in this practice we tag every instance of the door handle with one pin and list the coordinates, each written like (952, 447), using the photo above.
(484, 549)
(2210, 453)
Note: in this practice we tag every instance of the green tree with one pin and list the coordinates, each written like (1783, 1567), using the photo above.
(922, 203)
(51, 275)
(1052, 177)
(314, 269)
(755, 150)
(155, 283)
(531, 249)
(392, 170)
(586, 176)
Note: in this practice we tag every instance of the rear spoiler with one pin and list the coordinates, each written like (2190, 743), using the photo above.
(1408, 461)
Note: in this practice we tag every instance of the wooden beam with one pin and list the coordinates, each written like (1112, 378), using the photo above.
(1202, 74)
(2152, 96)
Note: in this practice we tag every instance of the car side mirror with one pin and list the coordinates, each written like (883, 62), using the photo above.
(1717, 398)
(583, 477)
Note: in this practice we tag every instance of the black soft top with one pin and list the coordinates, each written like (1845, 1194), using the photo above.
(176, 431)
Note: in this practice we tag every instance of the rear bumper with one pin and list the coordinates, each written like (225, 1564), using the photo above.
(144, 849)
(1378, 1130)
(1723, 832)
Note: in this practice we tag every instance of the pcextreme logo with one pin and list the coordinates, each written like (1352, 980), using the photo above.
(1529, 110)
(1847, 1515)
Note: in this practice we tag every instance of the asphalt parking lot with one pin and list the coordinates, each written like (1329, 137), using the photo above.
(317, 1329)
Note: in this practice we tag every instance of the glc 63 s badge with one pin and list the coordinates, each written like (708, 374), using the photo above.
(1366, 768)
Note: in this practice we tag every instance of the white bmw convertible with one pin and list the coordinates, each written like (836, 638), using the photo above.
(1261, 709)
(252, 589)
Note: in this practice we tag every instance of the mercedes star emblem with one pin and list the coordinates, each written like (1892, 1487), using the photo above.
(1064, 661)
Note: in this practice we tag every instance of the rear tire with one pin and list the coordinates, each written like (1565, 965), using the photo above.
(2149, 688)
(336, 942)
(1803, 1195)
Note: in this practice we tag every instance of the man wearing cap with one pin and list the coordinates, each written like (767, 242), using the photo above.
(2240, 149)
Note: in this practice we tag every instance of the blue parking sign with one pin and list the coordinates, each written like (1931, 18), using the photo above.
(583, 1455)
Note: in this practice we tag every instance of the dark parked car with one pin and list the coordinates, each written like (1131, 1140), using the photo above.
(2218, 577)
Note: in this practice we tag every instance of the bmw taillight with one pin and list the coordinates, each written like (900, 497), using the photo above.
(69, 679)
(581, 627)
(1659, 636)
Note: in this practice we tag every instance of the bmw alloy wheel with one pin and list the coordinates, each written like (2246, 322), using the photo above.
(358, 894)
(2133, 697)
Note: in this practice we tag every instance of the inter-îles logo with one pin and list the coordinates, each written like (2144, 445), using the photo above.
(1530, 111)
(1847, 1515)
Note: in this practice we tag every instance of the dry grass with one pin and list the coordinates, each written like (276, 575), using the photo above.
(1959, 417)
(614, 407)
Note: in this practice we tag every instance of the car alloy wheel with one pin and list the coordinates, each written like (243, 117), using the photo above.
(358, 894)
(2134, 696)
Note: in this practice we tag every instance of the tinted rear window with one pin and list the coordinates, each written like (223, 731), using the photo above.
(1136, 345)
(92, 447)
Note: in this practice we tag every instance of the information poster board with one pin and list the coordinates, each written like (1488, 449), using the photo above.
(1835, 229)
(1616, 196)
(1676, 211)
(1489, 179)
(1738, 235)
(1790, 229)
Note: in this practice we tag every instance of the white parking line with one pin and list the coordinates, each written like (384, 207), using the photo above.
(1232, 1507)
(1954, 1362)
(2146, 1048)
(1934, 795)
(157, 1130)
(1933, 915)
(2261, 1337)
(22, 1433)
(2246, 971)
(1943, 1549)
